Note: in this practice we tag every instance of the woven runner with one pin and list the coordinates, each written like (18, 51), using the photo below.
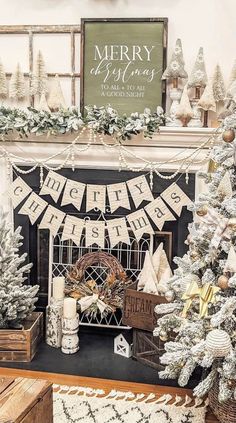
(86, 405)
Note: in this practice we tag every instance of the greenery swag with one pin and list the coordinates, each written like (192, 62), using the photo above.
(103, 120)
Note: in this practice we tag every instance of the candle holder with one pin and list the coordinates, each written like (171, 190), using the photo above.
(175, 96)
(54, 313)
(70, 338)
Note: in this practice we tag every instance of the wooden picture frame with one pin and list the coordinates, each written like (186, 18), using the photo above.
(122, 61)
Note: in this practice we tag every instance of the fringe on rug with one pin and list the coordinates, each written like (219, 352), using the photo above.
(130, 396)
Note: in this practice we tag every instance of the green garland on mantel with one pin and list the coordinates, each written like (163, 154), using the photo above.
(103, 120)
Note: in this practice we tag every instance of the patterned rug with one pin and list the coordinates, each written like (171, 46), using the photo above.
(86, 405)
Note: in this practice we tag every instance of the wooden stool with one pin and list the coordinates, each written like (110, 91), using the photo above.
(25, 401)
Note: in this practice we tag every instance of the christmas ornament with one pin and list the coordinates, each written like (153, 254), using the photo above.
(163, 335)
(212, 166)
(228, 135)
(232, 223)
(223, 282)
(169, 295)
(194, 255)
(218, 343)
(202, 211)
(206, 295)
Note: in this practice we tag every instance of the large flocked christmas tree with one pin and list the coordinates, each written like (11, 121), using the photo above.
(16, 299)
(199, 325)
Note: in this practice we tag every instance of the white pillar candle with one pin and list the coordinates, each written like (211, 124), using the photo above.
(58, 287)
(69, 309)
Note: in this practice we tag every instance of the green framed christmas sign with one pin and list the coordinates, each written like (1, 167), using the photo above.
(122, 61)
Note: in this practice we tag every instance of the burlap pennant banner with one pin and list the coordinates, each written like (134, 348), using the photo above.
(73, 194)
(96, 197)
(159, 212)
(98, 231)
(18, 191)
(33, 207)
(73, 228)
(52, 220)
(95, 233)
(140, 224)
(53, 185)
(176, 198)
(118, 196)
(140, 190)
(118, 231)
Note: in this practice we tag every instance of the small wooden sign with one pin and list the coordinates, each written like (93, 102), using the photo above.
(122, 63)
(138, 311)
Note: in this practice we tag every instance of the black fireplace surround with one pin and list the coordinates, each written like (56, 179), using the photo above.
(34, 248)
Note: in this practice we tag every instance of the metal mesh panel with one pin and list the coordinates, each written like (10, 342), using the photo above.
(64, 254)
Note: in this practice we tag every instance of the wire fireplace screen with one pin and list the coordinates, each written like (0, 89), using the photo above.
(64, 254)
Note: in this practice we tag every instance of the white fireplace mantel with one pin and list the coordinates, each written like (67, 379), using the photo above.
(164, 145)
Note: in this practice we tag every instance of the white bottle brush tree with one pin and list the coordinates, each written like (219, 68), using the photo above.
(17, 85)
(3, 82)
(17, 299)
(200, 323)
(39, 78)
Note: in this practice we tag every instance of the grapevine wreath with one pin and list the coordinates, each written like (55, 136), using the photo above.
(93, 298)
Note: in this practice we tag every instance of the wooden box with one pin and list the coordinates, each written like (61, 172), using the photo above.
(138, 310)
(147, 348)
(21, 344)
(25, 401)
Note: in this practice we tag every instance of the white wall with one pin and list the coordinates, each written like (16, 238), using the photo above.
(210, 23)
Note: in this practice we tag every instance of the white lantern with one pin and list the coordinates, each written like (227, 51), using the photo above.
(218, 343)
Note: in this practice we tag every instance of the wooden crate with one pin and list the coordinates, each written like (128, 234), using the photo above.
(21, 344)
(25, 401)
(138, 310)
(147, 348)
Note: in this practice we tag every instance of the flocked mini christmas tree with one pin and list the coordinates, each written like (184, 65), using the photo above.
(197, 81)
(175, 70)
(56, 100)
(3, 82)
(201, 320)
(207, 102)
(17, 85)
(38, 84)
(17, 299)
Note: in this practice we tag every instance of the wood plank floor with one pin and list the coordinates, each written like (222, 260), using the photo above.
(104, 384)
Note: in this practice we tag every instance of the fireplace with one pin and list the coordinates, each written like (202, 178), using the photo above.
(52, 257)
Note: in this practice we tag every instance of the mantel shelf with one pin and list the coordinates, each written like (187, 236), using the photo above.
(166, 137)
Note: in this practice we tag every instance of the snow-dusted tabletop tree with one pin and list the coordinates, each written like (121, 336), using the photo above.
(39, 79)
(17, 89)
(207, 102)
(17, 299)
(203, 314)
(175, 71)
(197, 81)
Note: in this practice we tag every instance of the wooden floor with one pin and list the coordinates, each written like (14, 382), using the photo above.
(104, 384)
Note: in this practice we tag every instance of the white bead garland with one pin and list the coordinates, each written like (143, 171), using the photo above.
(73, 149)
